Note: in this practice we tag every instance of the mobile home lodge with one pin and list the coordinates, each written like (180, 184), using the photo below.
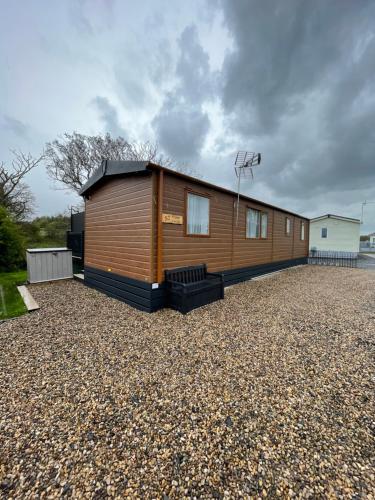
(142, 219)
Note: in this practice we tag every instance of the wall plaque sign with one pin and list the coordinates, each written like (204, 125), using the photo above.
(172, 219)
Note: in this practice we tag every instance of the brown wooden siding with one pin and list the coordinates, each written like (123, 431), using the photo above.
(301, 247)
(227, 246)
(250, 251)
(282, 243)
(118, 228)
(122, 230)
(181, 250)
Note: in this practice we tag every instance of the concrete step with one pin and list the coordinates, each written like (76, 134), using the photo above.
(28, 299)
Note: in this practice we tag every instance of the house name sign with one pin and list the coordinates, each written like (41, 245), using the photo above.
(172, 219)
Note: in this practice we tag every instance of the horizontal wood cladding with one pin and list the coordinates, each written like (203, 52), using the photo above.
(118, 228)
(121, 230)
(250, 251)
(181, 250)
(301, 247)
(227, 246)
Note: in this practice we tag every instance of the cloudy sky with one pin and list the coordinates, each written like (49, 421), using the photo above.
(293, 79)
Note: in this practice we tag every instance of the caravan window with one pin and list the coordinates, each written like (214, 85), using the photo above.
(252, 223)
(264, 225)
(198, 215)
(287, 226)
(256, 223)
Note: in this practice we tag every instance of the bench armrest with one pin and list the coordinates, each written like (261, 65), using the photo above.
(176, 283)
(218, 275)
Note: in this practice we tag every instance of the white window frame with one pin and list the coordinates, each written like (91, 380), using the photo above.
(188, 215)
(249, 225)
(261, 224)
(321, 233)
(264, 234)
(288, 226)
(302, 231)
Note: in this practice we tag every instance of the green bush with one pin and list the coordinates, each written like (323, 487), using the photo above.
(12, 245)
(46, 231)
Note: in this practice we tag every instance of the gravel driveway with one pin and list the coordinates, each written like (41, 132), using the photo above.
(270, 392)
(366, 261)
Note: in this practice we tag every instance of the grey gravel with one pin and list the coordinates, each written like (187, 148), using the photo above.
(268, 393)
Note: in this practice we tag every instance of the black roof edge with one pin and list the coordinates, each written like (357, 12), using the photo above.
(111, 168)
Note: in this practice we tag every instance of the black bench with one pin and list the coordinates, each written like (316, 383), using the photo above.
(191, 287)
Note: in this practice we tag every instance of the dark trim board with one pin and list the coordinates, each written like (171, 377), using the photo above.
(136, 293)
(233, 276)
(142, 296)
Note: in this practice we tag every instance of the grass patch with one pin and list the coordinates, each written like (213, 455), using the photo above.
(11, 302)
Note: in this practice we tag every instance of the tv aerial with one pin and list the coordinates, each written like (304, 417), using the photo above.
(243, 166)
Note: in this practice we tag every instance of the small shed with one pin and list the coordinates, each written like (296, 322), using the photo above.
(48, 264)
(335, 233)
(142, 219)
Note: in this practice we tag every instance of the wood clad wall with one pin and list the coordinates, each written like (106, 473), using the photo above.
(227, 247)
(180, 250)
(301, 247)
(118, 227)
(250, 252)
(282, 243)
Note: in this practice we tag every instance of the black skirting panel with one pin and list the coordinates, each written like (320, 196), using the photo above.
(233, 276)
(136, 293)
(141, 295)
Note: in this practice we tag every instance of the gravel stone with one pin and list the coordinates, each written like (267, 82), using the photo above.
(269, 393)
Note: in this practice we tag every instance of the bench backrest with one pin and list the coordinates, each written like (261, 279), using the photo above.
(187, 274)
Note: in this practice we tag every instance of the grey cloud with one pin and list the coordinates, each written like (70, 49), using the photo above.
(131, 85)
(91, 16)
(181, 129)
(137, 70)
(79, 19)
(299, 83)
(109, 116)
(181, 125)
(15, 126)
(161, 66)
(283, 50)
(193, 69)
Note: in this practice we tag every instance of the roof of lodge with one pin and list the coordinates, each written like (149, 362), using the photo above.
(331, 216)
(116, 168)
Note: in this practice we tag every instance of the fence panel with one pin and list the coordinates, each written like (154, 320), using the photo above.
(332, 258)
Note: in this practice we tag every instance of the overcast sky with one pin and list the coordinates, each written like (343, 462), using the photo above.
(294, 80)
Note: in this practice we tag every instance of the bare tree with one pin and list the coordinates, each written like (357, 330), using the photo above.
(72, 159)
(15, 195)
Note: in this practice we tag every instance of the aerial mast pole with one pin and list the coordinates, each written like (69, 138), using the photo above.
(245, 161)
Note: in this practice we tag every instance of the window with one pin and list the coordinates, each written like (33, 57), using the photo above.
(264, 224)
(302, 231)
(324, 232)
(287, 226)
(256, 224)
(198, 215)
(252, 223)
